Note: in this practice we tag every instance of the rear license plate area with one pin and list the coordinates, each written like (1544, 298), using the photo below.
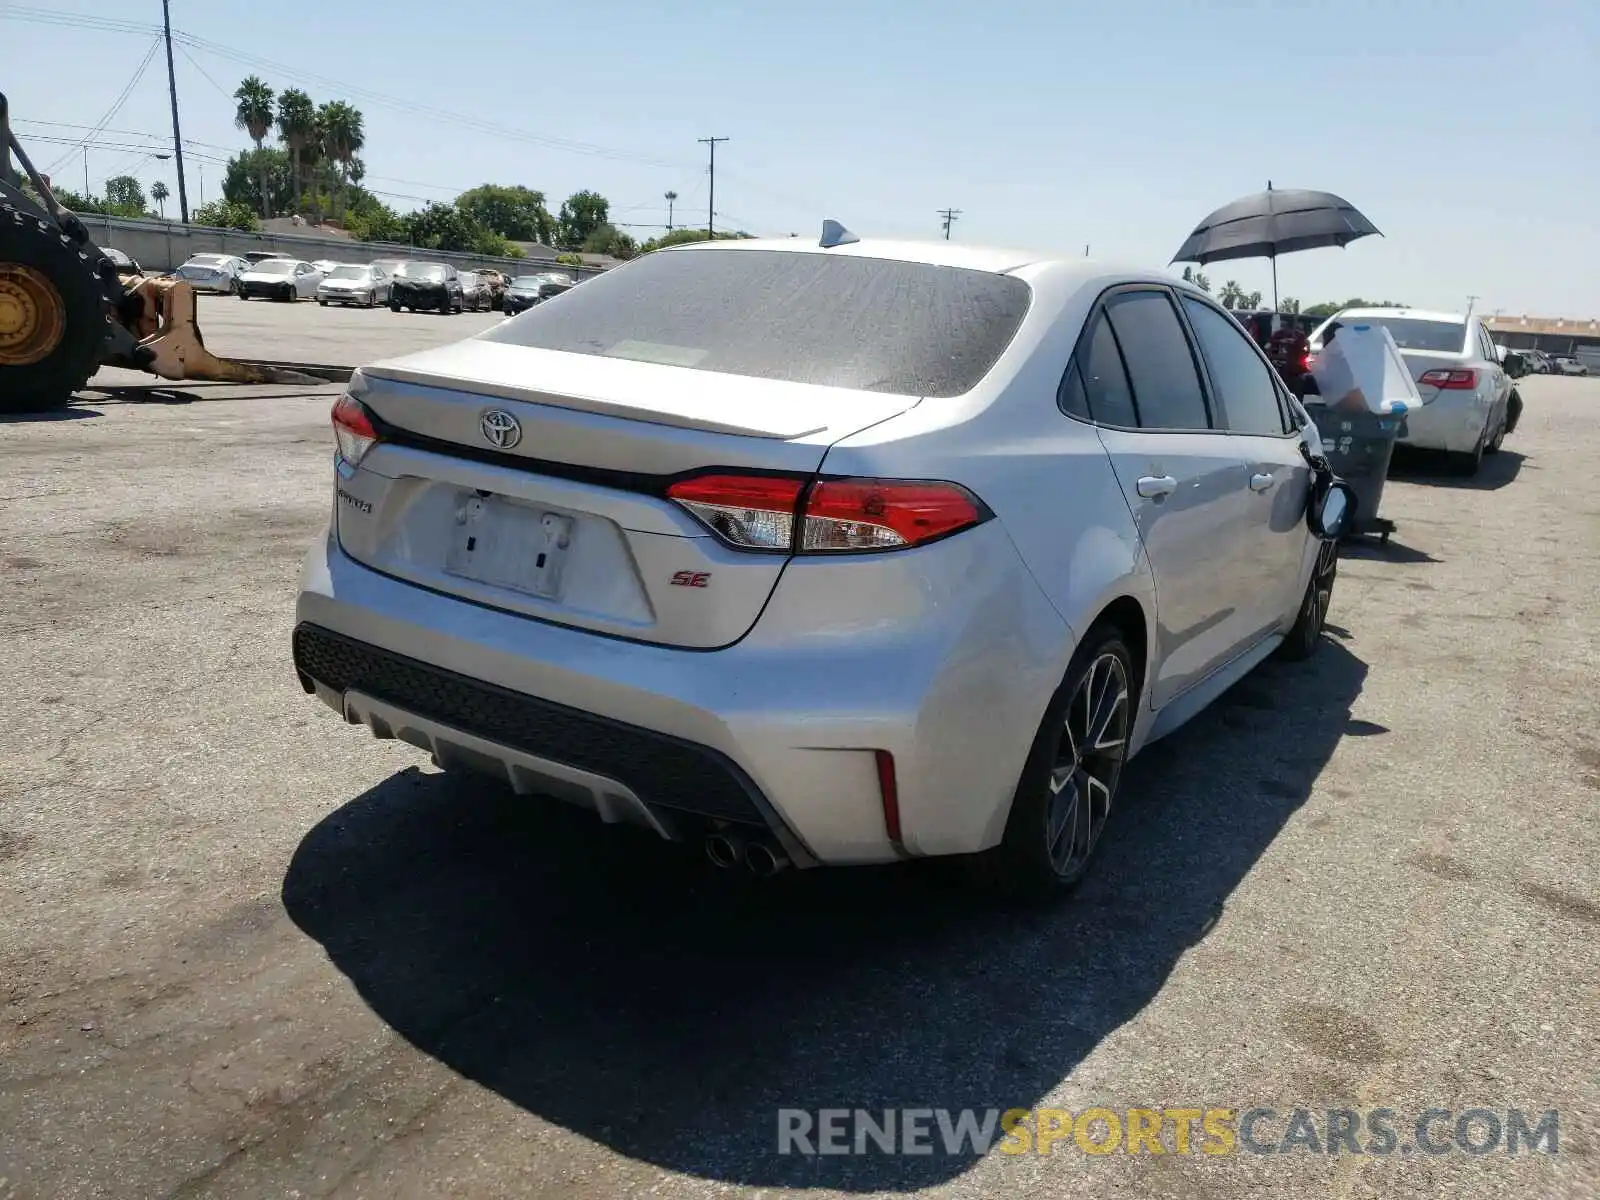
(508, 544)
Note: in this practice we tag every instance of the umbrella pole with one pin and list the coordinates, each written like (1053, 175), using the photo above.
(1274, 283)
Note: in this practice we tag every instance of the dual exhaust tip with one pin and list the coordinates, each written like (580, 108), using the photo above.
(731, 850)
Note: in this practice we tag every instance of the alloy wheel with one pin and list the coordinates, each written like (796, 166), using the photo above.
(1083, 781)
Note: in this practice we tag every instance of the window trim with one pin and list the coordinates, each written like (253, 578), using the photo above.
(1098, 310)
(1291, 427)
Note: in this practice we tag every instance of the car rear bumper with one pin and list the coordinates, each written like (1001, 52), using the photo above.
(778, 731)
(1453, 422)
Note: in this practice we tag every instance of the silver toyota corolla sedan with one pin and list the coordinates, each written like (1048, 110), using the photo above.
(822, 553)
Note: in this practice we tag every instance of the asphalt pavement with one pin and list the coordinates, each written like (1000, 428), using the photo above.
(247, 950)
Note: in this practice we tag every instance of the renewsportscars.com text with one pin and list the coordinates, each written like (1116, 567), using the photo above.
(1199, 1130)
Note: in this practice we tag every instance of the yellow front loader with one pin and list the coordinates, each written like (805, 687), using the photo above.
(66, 311)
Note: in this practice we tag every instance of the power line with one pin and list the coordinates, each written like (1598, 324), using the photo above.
(339, 86)
(950, 215)
(116, 105)
(711, 203)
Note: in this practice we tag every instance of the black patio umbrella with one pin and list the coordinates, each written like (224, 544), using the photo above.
(1276, 221)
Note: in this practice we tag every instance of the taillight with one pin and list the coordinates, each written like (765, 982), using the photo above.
(353, 429)
(1464, 380)
(752, 512)
(779, 513)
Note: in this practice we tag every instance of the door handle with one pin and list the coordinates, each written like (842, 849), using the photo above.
(1153, 487)
(1260, 483)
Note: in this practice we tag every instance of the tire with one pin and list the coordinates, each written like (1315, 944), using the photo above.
(73, 277)
(372, 300)
(393, 307)
(1513, 411)
(322, 302)
(1048, 846)
(234, 287)
(1467, 465)
(1305, 636)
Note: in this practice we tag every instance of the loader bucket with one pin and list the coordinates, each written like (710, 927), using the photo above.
(160, 316)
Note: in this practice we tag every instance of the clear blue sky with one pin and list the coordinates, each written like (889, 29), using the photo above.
(1469, 132)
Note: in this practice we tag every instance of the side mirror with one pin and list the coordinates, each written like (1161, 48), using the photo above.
(1516, 366)
(1334, 514)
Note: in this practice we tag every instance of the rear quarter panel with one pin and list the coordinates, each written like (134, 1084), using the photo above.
(1046, 476)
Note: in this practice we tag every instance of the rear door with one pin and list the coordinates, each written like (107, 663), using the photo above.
(1183, 479)
(1254, 408)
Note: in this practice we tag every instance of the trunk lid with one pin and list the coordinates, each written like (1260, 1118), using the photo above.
(567, 521)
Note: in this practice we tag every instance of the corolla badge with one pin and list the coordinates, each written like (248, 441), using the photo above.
(500, 429)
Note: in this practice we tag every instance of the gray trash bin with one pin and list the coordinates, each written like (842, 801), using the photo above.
(1359, 445)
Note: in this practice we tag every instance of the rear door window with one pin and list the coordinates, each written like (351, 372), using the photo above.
(1097, 382)
(1244, 383)
(1160, 364)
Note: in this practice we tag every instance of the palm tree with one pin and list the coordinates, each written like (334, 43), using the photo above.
(159, 193)
(671, 198)
(297, 126)
(343, 134)
(254, 116)
(1231, 294)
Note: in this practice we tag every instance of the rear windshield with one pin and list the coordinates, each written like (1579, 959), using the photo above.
(875, 325)
(349, 272)
(1413, 333)
(275, 266)
(427, 272)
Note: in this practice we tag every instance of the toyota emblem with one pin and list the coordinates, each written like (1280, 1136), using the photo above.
(500, 429)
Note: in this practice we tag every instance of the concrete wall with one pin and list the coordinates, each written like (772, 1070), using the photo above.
(159, 246)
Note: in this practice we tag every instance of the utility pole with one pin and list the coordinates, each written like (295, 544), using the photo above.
(1471, 300)
(949, 215)
(711, 204)
(671, 196)
(172, 90)
(86, 190)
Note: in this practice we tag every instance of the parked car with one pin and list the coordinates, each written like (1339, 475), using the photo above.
(1564, 364)
(1538, 362)
(326, 265)
(475, 293)
(213, 272)
(498, 281)
(279, 279)
(720, 545)
(389, 266)
(1469, 398)
(527, 290)
(425, 285)
(255, 256)
(349, 283)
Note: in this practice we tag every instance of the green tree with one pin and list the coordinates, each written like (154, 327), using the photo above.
(254, 115)
(1289, 305)
(514, 212)
(342, 132)
(1250, 300)
(608, 239)
(679, 237)
(1231, 294)
(570, 260)
(159, 193)
(1327, 308)
(297, 127)
(442, 227)
(259, 179)
(581, 214)
(124, 196)
(73, 202)
(1203, 282)
(225, 214)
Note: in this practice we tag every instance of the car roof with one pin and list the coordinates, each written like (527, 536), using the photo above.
(1414, 314)
(999, 260)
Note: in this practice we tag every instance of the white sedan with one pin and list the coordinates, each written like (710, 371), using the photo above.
(213, 272)
(280, 279)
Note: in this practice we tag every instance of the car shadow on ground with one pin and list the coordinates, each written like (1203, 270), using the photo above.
(1424, 466)
(629, 992)
(1370, 549)
(73, 412)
